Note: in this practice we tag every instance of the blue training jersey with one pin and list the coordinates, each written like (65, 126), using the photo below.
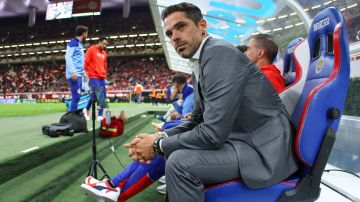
(74, 58)
(188, 101)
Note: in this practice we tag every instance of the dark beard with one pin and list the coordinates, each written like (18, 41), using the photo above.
(190, 55)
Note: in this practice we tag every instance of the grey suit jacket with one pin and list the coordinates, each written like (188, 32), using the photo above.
(236, 104)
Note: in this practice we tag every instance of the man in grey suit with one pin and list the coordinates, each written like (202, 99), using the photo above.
(239, 127)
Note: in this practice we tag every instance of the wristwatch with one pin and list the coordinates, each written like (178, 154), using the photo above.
(156, 145)
(162, 134)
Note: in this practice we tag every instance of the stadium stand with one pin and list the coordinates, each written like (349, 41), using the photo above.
(34, 63)
(133, 36)
(150, 71)
(49, 76)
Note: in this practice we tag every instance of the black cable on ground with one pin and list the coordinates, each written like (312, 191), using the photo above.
(114, 152)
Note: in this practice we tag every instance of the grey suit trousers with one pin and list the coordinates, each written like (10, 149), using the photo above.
(187, 170)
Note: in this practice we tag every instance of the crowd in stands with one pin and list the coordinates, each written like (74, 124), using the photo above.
(152, 71)
(50, 76)
(29, 78)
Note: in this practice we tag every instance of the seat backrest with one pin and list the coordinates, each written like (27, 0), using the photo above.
(301, 58)
(278, 62)
(325, 84)
(289, 72)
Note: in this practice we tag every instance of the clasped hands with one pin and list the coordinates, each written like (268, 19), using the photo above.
(141, 147)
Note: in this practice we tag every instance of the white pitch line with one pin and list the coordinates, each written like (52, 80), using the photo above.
(31, 149)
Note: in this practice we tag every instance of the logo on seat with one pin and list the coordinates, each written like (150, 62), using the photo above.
(320, 65)
(322, 23)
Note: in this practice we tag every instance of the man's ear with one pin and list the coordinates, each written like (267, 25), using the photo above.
(202, 25)
(260, 53)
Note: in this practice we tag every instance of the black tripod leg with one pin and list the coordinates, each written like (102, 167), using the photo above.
(92, 170)
(94, 138)
(103, 170)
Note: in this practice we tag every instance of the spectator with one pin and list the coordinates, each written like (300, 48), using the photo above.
(138, 91)
(152, 95)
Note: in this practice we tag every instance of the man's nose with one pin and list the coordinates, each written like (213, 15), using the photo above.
(175, 36)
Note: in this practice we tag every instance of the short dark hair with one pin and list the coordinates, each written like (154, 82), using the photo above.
(192, 12)
(242, 48)
(266, 42)
(102, 38)
(80, 29)
(179, 78)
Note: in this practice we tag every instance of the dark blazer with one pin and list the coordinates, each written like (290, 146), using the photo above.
(236, 104)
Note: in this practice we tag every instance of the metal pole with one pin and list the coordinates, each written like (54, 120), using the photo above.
(94, 138)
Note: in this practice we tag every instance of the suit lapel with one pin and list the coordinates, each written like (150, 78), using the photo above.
(200, 95)
(200, 82)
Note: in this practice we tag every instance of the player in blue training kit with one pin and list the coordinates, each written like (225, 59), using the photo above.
(75, 64)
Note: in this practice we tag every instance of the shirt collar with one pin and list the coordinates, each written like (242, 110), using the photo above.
(196, 56)
(194, 60)
(268, 66)
(75, 38)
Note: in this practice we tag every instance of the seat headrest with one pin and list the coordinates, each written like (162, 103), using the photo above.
(322, 24)
(289, 66)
